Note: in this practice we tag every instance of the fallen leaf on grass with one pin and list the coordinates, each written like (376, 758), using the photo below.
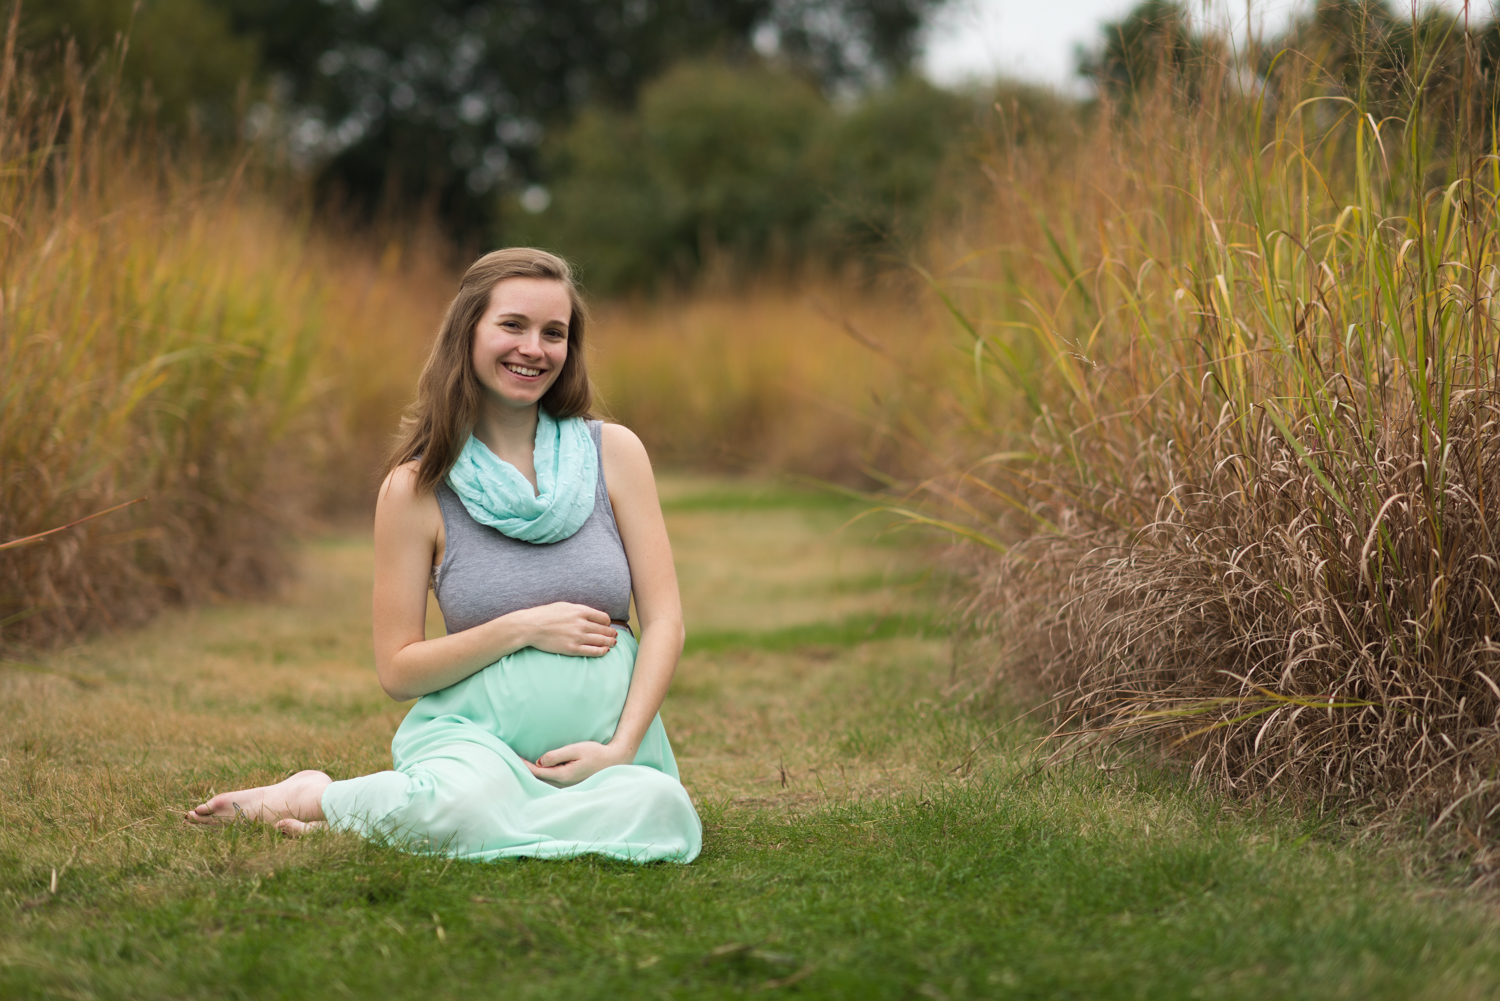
(787, 981)
(732, 951)
(728, 949)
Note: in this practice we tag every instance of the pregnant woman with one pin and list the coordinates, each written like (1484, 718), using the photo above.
(535, 730)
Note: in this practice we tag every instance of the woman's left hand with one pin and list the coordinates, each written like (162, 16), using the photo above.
(572, 764)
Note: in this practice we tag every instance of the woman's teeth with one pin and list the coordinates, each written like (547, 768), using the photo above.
(523, 370)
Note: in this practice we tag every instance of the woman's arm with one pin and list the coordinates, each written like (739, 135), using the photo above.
(653, 578)
(408, 526)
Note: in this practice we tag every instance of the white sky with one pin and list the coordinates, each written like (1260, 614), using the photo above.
(1034, 39)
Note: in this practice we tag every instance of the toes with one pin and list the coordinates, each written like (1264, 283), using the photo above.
(216, 810)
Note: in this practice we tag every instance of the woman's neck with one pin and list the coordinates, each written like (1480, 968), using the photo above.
(510, 432)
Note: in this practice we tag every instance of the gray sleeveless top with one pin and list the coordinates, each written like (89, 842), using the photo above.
(485, 574)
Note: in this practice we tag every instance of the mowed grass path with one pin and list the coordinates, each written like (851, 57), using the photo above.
(866, 836)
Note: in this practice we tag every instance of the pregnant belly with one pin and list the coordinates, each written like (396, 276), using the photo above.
(536, 702)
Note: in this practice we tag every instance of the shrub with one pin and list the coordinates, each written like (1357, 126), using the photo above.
(888, 165)
(743, 170)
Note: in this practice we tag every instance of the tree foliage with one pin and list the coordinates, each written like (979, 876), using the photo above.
(748, 168)
(1366, 50)
(449, 100)
(445, 103)
(183, 62)
(1154, 40)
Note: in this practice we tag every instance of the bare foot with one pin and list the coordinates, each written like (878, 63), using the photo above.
(295, 804)
(294, 828)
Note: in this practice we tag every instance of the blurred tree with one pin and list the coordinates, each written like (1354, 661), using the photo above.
(714, 165)
(1394, 61)
(729, 150)
(1345, 38)
(882, 162)
(1363, 49)
(742, 168)
(402, 101)
(183, 58)
(1155, 38)
(844, 41)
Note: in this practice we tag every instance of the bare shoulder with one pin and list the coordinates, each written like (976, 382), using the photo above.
(643, 530)
(401, 501)
(400, 482)
(627, 467)
(623, 452)
(619, 440)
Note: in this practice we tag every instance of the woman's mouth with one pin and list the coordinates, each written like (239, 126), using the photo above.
(522, 370)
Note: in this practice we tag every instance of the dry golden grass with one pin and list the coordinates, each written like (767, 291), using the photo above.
(172, 330)
(156, 334)
(1236, 389)
(773, 379)
(793, 728)
(382, 302)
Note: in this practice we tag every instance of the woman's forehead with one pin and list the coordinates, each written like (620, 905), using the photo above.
(536, 298)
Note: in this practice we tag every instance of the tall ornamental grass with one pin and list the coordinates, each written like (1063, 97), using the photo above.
(1234, 433)
(170, 330)
(156, 343)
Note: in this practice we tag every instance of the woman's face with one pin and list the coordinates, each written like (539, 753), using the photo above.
(521, 341)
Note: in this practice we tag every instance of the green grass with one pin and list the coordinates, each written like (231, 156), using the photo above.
(1004, 887)
(866, 835)
(856, 629)
(756, 496)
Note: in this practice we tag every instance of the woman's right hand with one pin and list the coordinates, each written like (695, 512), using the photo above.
(569, 629)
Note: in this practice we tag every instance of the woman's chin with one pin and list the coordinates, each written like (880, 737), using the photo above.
(517, 397)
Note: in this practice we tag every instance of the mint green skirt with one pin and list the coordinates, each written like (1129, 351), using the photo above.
(460, 788)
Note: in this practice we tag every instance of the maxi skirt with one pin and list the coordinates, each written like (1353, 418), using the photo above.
(460, 787)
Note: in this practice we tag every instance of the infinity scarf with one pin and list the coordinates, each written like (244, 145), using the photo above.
(567, 470)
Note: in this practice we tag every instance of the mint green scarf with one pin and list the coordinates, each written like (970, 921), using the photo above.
(567, 470)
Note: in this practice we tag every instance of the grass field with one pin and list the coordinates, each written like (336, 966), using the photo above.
(867, 835)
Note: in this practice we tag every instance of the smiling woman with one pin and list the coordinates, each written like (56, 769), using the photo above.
(536, 729)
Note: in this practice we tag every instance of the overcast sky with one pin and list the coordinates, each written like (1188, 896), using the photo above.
(1034, 39)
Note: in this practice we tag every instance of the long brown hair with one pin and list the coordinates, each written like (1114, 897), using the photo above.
(436, 425)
